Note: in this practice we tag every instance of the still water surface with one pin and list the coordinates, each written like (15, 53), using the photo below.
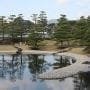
(19, 72)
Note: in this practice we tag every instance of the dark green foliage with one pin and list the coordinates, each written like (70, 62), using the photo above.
(42, 22)
(66, 32)
(34, 40)
(37, 31)
(63, 31)
(81, 27)
(82, 32)
(12, 30)
(86, 38)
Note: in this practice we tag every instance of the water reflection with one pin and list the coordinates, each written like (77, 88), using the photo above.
(20, 73)
(63, 61)
(12, 67)
(82, 81)
(37, 65)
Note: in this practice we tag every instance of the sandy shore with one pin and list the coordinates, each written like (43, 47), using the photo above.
(26, 49)
(12, 47)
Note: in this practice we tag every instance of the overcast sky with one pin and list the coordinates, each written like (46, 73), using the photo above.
(72, 8)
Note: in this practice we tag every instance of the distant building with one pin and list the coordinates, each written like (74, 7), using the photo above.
(55, 21)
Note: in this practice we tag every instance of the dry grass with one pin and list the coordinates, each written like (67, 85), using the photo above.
(49, 45)
(46, 45)
(11, 47)
(77, 50)
(6, 47)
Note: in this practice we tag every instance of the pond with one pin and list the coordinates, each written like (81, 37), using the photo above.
(20, 72)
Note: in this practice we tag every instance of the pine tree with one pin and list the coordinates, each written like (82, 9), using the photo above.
(63, 31)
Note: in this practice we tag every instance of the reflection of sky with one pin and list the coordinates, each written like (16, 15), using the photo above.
(18, 85)
(27, 84)
(50, 59)
(60, 85)
(22, 85)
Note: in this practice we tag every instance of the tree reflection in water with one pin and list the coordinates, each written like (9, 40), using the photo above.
(37, 65)
(13, 68)
(63, 61)
(82, 81)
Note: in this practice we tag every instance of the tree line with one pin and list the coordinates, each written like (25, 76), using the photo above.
(69, 33)
(66, 33)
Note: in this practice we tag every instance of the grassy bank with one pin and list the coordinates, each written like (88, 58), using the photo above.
(46, 45)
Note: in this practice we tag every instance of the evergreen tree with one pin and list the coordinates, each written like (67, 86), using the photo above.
(42, 23)
(81, 27)
(2, 24)
(86, 38)
(11, 26)
(62, 32)
(34, 39)
(35, 36)
(19, 27)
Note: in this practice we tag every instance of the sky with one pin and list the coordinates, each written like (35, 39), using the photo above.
(72, 8)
